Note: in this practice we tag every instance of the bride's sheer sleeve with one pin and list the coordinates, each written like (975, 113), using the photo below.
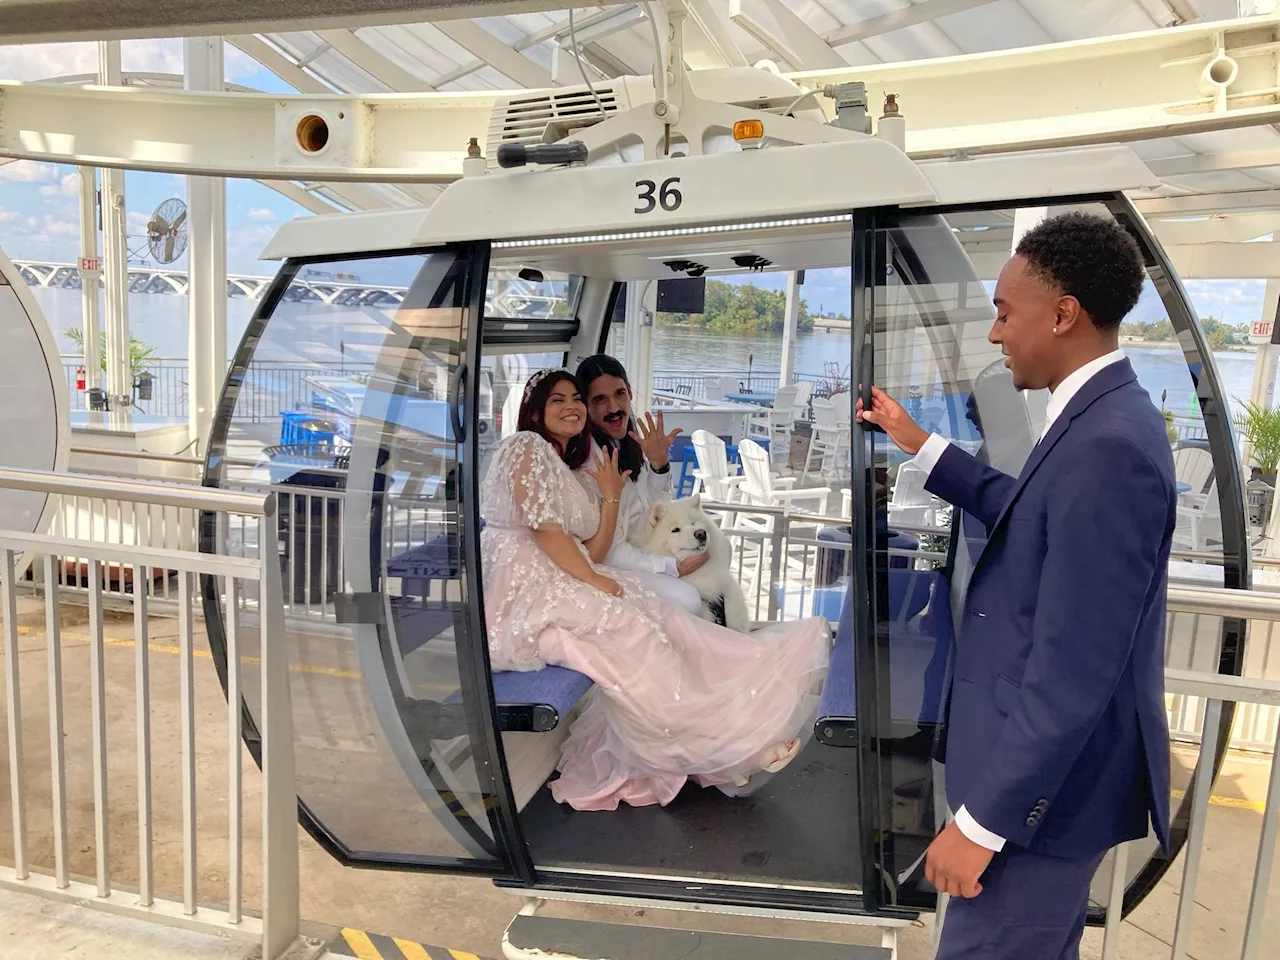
(524, 485)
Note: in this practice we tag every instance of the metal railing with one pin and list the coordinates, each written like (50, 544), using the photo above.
(276, 929)
(1214, 690)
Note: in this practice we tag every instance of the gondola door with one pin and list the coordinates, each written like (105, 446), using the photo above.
(924, 318)
(398, 756)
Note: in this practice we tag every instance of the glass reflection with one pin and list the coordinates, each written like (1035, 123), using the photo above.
(342, 406)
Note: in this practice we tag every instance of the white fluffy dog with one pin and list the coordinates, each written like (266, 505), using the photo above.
(679, 529)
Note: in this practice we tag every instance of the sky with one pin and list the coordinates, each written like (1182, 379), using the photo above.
(39, 202)
(39, 217)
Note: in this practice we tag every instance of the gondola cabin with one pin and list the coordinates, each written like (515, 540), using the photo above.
(412, 753)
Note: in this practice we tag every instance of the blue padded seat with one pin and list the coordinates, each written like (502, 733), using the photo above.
(534, 701)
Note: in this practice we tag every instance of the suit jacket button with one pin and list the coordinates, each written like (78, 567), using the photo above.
(1032, 821)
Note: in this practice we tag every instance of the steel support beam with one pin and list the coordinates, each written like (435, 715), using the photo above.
(90, 291)
(908, 16)
(1142, 86)
(275, 61)
(56, 21)
(115, 264)
(508, 62)
(1203, 204)
(786, 34)
(373, 62)
(207, 259)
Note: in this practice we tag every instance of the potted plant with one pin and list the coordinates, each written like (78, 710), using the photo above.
(1261, 427)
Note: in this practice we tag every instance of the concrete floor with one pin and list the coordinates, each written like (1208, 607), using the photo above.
(463, 914)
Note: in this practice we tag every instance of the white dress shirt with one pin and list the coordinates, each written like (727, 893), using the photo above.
(638, 496)
(927, 458)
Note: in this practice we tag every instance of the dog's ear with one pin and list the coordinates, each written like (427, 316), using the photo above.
(655, 514)
(696, 501)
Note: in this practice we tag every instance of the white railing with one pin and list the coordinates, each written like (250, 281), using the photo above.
(276, 929)
(1213, 690)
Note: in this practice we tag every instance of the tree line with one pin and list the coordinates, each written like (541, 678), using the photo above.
(1218, 333)
(743, 308)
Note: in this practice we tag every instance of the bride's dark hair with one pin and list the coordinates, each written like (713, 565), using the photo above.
(534, 402)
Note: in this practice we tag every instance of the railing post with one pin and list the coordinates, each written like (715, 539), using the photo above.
(777, 537)
(280, 905)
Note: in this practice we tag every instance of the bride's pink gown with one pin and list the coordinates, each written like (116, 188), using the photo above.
(675, 697)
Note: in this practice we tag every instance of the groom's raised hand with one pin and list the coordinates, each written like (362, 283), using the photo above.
(887, 414)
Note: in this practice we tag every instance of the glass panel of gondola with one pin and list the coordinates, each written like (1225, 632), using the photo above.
(348, 404)
(931, 317)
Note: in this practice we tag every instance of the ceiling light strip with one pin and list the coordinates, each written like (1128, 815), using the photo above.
(675, 232)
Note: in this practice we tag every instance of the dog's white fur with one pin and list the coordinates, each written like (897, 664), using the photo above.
(672, 530)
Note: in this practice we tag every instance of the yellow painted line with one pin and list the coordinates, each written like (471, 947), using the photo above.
(412, 950)
(359, 942)
(174, 649)
(463, 955)
(1238, 803)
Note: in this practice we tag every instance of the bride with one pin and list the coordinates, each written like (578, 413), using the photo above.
(674, 697)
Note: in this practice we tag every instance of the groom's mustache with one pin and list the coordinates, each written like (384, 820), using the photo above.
(614, 417)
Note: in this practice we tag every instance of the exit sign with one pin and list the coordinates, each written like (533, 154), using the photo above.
(90, 264)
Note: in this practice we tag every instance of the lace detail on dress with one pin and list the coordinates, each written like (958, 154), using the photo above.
(529, 487)
(525, 487)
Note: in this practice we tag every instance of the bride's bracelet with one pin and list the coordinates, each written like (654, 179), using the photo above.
(608, 500)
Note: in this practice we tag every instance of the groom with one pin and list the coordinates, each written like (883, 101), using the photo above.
(1057, 741)
(644, 449)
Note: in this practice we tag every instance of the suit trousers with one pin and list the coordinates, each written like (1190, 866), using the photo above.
(1032, 907)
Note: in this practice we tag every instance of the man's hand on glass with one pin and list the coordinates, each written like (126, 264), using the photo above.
(887, 414)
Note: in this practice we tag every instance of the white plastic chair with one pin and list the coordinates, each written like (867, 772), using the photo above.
(774, 424)
(761, 487)
(828, 443)
(843, 402)
(911, 503)
(804, 390)
(1198, 528)
(714, 476)
(713, 389)
(1194, 467)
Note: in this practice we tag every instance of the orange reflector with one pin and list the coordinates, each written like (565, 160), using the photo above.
(748, 130)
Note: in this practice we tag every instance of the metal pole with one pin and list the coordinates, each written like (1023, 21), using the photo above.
(207, 260)
(90, 276)
(789, 328)
(116, 260)
(280, 881)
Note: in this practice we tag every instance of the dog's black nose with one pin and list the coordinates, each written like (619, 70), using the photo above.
(700, 536)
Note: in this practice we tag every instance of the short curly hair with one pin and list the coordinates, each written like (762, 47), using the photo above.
(1090, 258)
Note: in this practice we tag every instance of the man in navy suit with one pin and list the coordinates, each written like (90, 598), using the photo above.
(1057, 741)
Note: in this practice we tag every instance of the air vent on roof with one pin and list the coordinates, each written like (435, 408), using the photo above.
(523, 118)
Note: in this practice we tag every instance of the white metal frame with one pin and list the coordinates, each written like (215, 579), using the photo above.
(277, 929)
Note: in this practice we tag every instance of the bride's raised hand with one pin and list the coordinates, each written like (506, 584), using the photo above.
(606, 475)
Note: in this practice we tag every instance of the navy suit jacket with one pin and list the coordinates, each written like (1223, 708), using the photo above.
(1057, 736)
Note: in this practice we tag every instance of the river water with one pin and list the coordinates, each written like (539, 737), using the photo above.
(160, 321)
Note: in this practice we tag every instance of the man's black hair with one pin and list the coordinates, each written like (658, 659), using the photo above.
(630, 456)
(1091, 258)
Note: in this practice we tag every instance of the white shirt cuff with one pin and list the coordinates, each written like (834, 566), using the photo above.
(977, 832)
(931, 452)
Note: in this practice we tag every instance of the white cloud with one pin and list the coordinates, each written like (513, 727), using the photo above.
(28, 171)
(151, 56)
(237, 65)
(261, 213)
(68, 186)
(138, 223)
(45, 61)
(7, 215)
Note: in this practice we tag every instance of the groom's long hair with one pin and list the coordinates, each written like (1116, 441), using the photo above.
(630, 456)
